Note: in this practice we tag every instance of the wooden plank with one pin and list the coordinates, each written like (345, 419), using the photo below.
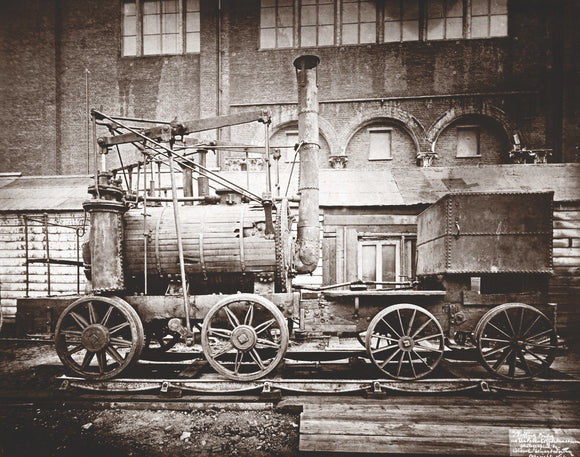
(566, 261)
(328, 261)
(351, 254)
(566, 233)
(561, 243)
(369, 219)
(573, 224)
(561, 215)
(566, 252)
(340, 258)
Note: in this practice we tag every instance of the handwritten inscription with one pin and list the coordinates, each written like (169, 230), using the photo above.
(533, 442)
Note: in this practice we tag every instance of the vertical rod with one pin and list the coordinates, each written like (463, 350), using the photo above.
(159, 177)
(96, 148)
(27, 254)
(87, 73)
(47, 249)
(145, 227)
(78, 262)
(268, 158)
(247, 168)
(179, 241)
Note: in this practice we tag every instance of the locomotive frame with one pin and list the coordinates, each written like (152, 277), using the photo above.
(221, 273)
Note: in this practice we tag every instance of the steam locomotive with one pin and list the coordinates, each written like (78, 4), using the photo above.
(219, 272)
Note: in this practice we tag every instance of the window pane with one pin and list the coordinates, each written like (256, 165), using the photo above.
(326, 35)
(170, 6)
(285, 38)
(192, 22)
(498, 26)
(271, 3)
(454, 28)
(368, 32)
(379, 144)
(151, 25)
(285, 2)
(129, 9)
(368, 12)
(479, 7)
(350, 33)
(130, 46)
(326, 14)
(285, 17)
(499, 7)
(454, 8)
(151, 7)
(170, 23)
(309, 2)
(268, 17)
(369, 262)
(151, 44)
(268, 38)
(479, 26)
(467, 142)
(349, 13)
(392, 10)
(389, 262)
(308, 15)
(435, 29)
(308, 36)
(410, 9)
(392, 31)
(435, 8)
(130, 25)
(193, 5)
(169, 43)
(410, 30)
(192, 42)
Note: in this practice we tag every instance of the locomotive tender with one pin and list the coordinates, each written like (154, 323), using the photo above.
(219, 271)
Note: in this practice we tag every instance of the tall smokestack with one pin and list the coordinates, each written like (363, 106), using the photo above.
(308, 241)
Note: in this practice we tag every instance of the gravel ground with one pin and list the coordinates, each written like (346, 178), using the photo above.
(26, 430)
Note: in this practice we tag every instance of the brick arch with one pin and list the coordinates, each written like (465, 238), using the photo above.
(389, 113)
(326, 130)
(488, 111)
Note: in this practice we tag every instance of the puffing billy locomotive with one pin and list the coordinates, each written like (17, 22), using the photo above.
(219, 272)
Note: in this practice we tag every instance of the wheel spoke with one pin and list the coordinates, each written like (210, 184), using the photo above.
(228, 347)
(420, 329)
(422, 359)
(392, 329)
(268, 343)
(386, 348)
(540, 345)
(119, 327)
(264, 326)
(411, 322)
(76, 349)
(115, 354)
(384, 337)
(121, 342)
(501, 360)
(221, 332)
(538, 317)
(507, 317)
(256, 357)
(521, 323)
(495, 340)
(106, 316)
(400, 364)
(512, 364)
(412, 367)
(249, 315)
(234, 322)
(87, 360)
(538, 335)
(499, 330)
(533, 354)
(495, 351)
(400, 322)
(430, 337)
(80, 320)
(426, 348)
(92, 315)
(238, 361)
(524, 362)
(102, 360)
(391, 357)
(72, 336)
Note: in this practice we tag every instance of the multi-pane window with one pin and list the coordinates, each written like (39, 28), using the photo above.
(160, 27)
(444, 19)
(291, 141)
(380, 144)
(401, 20)
(277, 24)
(317, 23)
(489, 18)
(383, 258)
(468, 141)
(359, 21)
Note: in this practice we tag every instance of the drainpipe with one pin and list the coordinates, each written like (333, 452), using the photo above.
(308, 239)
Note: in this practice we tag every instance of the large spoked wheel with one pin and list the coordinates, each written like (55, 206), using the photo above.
(99, 337)
(516, 341)
(244, 337)
(405, 341)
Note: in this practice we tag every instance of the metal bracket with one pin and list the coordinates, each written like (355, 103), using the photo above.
(65, 385)
(268, 393)
(377, 391)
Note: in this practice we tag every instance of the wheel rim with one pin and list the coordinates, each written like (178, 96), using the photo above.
(244, 337)
(405, 341)
(516, 341)
(99, 337)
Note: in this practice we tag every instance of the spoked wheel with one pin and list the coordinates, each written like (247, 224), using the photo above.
(405, 341)
(516, 341)
(244, 337)
(159, 339)
(99, 337)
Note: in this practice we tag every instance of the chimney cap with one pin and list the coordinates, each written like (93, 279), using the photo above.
(306, 62)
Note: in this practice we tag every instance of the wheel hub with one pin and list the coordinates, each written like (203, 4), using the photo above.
(244, 338)
(406, 343)
(95, 337)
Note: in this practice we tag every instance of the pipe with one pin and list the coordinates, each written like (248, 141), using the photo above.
(308, 238)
